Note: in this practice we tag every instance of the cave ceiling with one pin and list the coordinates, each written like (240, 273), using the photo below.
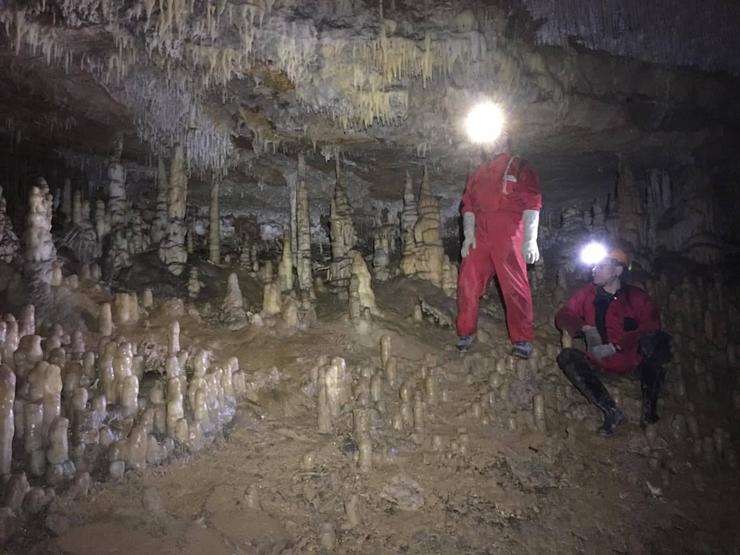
(244, 86)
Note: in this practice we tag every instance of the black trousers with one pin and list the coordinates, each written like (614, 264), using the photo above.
(655, 348)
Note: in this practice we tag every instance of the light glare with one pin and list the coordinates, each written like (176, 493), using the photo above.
(593, 253)
(484, 123)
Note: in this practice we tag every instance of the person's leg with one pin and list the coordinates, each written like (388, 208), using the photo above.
(576, 368)
(511, 270)
(476, 271)
(655, 349)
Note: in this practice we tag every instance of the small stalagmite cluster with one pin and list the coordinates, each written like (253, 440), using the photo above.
(343, 237)
(423, 252)
(68, 411)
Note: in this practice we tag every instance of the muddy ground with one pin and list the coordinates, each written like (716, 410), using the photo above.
(476, 476)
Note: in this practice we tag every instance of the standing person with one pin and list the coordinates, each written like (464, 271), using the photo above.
(621, 326)
(500, 210)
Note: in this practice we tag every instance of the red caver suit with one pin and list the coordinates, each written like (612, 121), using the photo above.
(631, 315)
(498, 202)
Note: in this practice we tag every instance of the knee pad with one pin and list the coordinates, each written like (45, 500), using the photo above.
(656, 347)
(569, 356)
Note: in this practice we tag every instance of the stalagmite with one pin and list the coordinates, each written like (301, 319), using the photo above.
(429, 251)
(285, 267)
(52, 395)
(409, 217)
(33, 418)
(58, 451)
(117, 186)
(27, 321)
(303, 229)
(173, 339)
(381, 255)
(385, 350)
(16, 490)
(194, 283)
(232, 308)
(271, 299)
(172, 251)
(158, 230)
(40, 252)
(364, 289)
(214, 232)
(147, 299)
(365, 454)
(566, 341)
(539, 412)
(7, 418)
(337, 385)
(105, 320)
(391, 371)
(175, 410)
(343, 237)
(9, 243)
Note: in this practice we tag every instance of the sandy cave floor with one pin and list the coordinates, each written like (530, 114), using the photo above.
(481, 488)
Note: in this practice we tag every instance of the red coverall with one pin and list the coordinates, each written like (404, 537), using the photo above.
(630, 316)
(498, 202)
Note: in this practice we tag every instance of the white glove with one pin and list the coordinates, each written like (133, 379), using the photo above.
(469, 233)
(529, 247)
(592, 336)
(602, 351)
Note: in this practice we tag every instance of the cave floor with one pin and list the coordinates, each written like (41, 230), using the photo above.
(482, 489)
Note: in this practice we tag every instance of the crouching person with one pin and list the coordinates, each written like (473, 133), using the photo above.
(621, 327)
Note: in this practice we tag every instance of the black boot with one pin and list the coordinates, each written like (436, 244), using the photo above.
(577, 370)
(655, 348)
(651, 379)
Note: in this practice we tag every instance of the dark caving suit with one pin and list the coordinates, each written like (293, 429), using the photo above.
(630, 321)
(498, 193)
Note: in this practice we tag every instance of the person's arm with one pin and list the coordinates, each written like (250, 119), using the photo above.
(529, 187)
(466, 204)
(532, 201)
(570, 317)
(468, 217)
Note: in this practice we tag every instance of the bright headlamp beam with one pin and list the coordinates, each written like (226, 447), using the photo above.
(593, 253)
(484, 123)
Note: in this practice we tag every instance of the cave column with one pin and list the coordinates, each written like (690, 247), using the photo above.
(172, 251)
(117, 204)
(214, 237)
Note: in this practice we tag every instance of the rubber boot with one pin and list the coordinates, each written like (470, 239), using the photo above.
(651, 379)
(582, 376)
(656, 349)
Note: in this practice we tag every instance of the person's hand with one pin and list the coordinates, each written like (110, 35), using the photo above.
(530, 251)
(469, 233)
(592, 337)
(603, 351)
(468, 244)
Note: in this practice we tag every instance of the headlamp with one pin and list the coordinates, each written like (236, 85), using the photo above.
(593, 253)
(484, 123)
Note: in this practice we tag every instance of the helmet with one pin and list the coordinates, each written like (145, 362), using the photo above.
(619, 255)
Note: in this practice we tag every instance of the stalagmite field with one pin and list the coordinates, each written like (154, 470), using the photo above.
(233, 240)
